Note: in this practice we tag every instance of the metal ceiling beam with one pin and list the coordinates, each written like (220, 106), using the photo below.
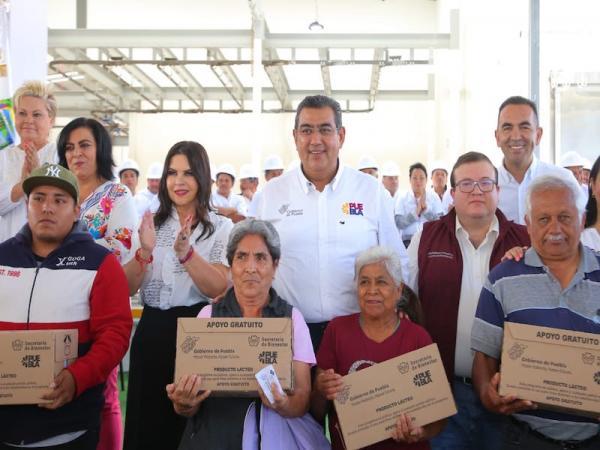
(325, 73)
(375, 71)
(227, 77)
(149, 38)
(243, 38)
(197, 91)
(75, 99)
(278, 79)
(148, 83)
(133, 70)
(107, 79)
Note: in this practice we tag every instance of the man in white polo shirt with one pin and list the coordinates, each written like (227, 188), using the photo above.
(224, 200)
(517, 134)
(325, 214)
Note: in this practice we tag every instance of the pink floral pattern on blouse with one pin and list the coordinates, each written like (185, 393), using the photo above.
(110, 216)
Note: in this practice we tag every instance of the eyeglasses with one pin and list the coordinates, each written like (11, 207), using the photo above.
(323, 130)
(467, 186)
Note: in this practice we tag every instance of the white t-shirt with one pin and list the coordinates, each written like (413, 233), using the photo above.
(322, 233)
(511, 199)
(144, 201)
(13, 215)
(591, 238)
(405, 212)
(254, 203)
(233, 201)
(167, 283)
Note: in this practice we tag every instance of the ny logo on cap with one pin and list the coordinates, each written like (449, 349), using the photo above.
(53, 171)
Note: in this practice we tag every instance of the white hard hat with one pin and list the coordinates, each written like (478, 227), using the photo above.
(438, 165)
(367, 162)
(587, 164)
(273, 162)
(155, 171)
(130, 164)
(572, 159)
(390, 169)
(228, 169)
(248, 171)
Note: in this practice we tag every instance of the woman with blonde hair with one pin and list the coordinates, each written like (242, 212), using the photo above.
(35, 112)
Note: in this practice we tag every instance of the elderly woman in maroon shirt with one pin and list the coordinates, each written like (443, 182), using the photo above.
(376, 334)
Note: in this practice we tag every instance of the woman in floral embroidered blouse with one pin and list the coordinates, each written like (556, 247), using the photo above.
(108, 210)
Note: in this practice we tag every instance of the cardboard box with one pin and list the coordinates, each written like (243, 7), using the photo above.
(227, 352)
(558, 369)
(372, 399)
(29, 361)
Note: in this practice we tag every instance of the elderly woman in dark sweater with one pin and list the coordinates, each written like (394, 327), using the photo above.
(253, 252)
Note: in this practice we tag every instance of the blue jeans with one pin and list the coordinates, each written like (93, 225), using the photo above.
(473, 427)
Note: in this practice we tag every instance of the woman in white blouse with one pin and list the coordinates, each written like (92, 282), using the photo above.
(418, 205)
(180, 265)
(591, 235)
(35, 111)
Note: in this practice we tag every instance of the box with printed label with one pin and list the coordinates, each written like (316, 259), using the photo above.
(227, 352)
(29, 361)
(558, 369)
(372, 399)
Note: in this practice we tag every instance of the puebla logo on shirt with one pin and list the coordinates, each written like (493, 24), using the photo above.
(353, 209)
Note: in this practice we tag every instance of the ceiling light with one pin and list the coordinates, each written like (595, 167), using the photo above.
(316, 25)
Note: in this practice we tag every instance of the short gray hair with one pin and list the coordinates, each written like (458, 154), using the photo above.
(556, 180)
(379, 254)
(261, 228)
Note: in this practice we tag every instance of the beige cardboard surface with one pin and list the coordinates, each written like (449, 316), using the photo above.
(559, 369)
(227, 352)
(371, 400)
(29, 360)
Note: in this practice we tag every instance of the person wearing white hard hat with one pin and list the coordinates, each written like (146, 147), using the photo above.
(585, 172)
(417, 205)
(147, 199)
(368, 165)
(129, 173)
(439, 183)
(389, 177)
(226, 202)
(574, 162)
(273, 167)
(248, 182)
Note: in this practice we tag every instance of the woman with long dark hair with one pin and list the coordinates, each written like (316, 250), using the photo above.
(180, 265)
(591, 235)
(108, 211)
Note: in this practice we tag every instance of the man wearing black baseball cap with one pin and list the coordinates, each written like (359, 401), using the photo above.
(65, 281)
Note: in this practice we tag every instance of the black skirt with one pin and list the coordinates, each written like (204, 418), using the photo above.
(150, 421)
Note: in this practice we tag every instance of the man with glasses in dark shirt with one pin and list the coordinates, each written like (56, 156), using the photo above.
(449, 261)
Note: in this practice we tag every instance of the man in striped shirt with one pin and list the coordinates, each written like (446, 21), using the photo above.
(556, 284)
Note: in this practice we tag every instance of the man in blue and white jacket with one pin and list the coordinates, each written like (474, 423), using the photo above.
(54, 276)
